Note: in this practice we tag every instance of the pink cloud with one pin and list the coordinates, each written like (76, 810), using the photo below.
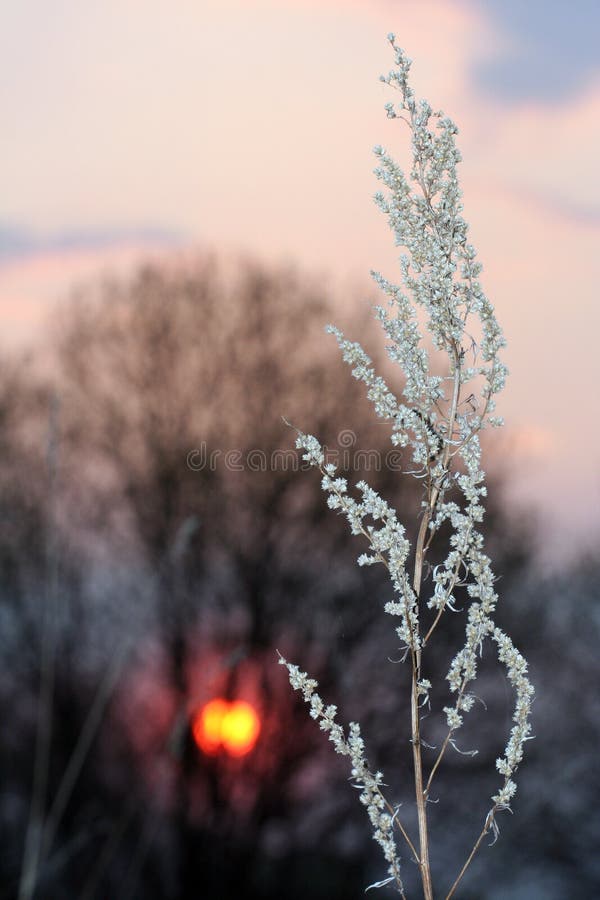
(549, 149)
(30, 287)
(255, 133)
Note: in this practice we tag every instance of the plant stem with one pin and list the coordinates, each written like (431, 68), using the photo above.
(420, 795)
(488, 824)
(416, 726)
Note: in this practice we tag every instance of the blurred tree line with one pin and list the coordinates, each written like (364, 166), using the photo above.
(158, 543)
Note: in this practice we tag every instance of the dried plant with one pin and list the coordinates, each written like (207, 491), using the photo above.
(438, 419)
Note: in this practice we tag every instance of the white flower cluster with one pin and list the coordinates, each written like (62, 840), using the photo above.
(353, 746)
(517, 674)
(439, 418)
(387, 543)
(463, 669)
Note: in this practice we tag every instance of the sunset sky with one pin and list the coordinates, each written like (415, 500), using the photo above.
(137, 127)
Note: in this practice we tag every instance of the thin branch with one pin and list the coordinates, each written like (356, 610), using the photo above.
(489, 823)
(447, 739)
(459, 562)
(397, 821)
(82, 747)
(43, 739)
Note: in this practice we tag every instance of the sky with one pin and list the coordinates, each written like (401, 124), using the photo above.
(136, 128)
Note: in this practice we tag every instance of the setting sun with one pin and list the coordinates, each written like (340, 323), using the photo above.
(233, 726)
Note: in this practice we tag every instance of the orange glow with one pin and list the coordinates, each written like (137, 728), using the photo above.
(207, 725)
(233, 726)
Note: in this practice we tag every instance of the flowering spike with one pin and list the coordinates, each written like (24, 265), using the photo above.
(439, 417)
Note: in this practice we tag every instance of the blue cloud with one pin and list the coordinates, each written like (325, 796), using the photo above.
(18, 242)
(556, 48)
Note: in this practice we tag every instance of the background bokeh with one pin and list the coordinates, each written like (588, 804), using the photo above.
(186, 202)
